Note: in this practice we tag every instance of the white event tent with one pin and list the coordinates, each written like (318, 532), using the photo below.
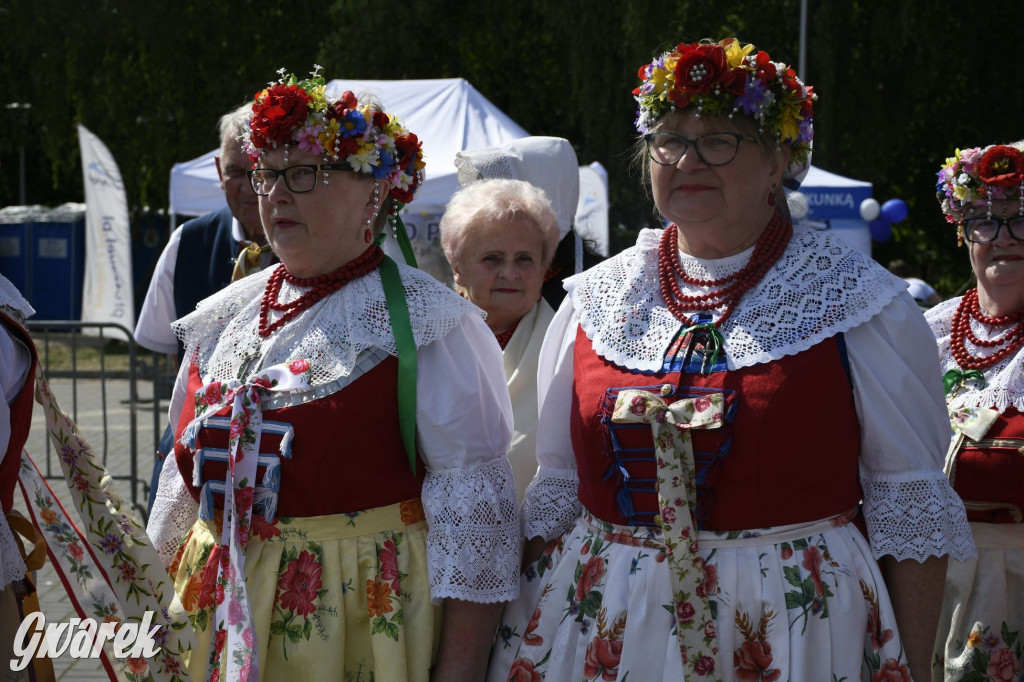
(448, 115)
(834, 203)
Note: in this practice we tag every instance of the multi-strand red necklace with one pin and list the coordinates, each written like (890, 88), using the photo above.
(1010, 341)
(319, 287)
(506, 336)
(724, 293)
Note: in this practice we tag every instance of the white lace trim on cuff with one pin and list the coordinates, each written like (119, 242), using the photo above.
(174, 512)
(473, 541)
(916, 515)
(551, 503)
(12, 566)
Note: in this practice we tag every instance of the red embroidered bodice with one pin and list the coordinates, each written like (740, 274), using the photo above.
(790, 454)
(346, 454)
(989, 474)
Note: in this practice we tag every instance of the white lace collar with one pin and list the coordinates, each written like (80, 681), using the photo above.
(330, 334)
(1004, 381)
(12, 300)
(818, 288)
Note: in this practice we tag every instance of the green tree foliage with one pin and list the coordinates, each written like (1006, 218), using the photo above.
(901, 84)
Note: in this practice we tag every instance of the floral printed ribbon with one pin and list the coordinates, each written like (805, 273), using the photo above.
(677, 500)
(234, 615)
(112, 570)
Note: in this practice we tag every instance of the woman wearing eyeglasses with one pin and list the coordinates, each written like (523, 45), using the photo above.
(717, 402)
(980, 336)
(342, 423)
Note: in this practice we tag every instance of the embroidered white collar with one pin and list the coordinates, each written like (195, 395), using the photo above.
(1004, 381)
(818, 288)
(222, 332)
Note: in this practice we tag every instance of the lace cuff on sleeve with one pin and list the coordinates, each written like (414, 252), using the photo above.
(174, 512)
(473, 541)
(915, 515)
(551, 504)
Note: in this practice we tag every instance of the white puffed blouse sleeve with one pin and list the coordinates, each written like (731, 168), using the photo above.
(464, 428)
(912, 511)
(551, 503)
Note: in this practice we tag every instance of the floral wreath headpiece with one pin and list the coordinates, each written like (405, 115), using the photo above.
(981, 174)
(726, 78)
(294, 111)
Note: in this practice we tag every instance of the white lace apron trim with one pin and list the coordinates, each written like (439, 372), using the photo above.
(1004, 381)
(818, 288)
(223, 330)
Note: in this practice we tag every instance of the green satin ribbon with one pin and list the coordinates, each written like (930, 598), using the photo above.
(956, 377)
(398, 311)
(715, 342)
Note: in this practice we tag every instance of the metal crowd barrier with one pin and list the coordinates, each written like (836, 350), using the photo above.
(102, 399)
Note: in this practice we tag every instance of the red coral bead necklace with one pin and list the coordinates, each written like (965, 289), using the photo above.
(724, 293)
(506, 336)
(318, 287)
(960, 331)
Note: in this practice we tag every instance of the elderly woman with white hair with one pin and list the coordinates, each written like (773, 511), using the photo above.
(499, 237)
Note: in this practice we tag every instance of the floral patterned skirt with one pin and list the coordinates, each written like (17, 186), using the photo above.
(981, 632)
(342, 597)
(801, 602)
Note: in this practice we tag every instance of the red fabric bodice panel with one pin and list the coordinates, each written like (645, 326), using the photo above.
(346, 451)
(789, 456)
(21, 419)
(989, 477)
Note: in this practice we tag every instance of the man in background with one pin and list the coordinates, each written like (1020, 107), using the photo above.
(202, 255)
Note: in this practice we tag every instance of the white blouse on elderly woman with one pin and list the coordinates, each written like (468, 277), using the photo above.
(803, 599)
(323, 572)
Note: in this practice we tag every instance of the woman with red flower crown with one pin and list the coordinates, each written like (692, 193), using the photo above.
(340, 505)
(718, 404)
(980, 336)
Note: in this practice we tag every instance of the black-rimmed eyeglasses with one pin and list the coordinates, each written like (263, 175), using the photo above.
(298, 179)
(714, 149)
(984, 230)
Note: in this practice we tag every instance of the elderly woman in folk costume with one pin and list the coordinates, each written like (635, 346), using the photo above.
(499, 234)
(725, 395)
(980, 336)
(342, 423)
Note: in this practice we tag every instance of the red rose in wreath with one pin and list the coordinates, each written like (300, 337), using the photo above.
(1001, 166)
(699, 68)
(279, 110)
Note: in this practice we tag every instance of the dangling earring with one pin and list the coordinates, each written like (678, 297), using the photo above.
(771, 196)
(368, 233)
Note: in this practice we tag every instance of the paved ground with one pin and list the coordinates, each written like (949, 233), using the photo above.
(116, 438)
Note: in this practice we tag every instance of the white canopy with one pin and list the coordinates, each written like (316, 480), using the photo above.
(447, 114)
(834, 203)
